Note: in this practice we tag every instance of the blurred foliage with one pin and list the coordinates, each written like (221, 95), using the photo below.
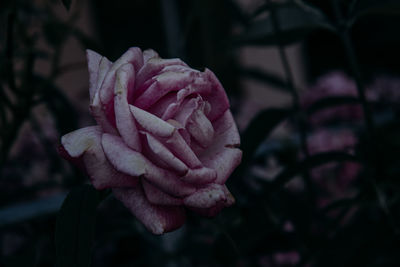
(283, 216)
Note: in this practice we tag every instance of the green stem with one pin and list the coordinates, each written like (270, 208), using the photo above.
(354, 66)
(295, 96)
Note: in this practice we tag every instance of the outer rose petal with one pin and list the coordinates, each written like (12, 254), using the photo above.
(217, 99)
(222, 155)
(133, 55)
(93, 59)
(157, 219)
(158, 197)
(135, 164)
(85, 143)
(124, 119)
(209, 196)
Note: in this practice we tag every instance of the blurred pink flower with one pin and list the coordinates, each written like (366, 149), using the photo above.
(165, 139)
(335, 178)
(331, 85)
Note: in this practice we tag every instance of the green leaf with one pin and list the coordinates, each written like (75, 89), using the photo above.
(309, 163)
(295, 23)
(75, 227)
(259, 129)
(67, 4)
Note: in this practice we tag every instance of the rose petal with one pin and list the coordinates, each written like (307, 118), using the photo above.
(134, 56)
(124, 119)
(158, 197)
(207, 197)
(200, 128)
(152, 67)
(177, 145)
(200, 176)
(223, 155)
(135, 164)
(214, 210)
(149, 54)
(217, 98)
(93, 59)
(96, 109)
(167, 82)
(157, 219)
(85, 143)
(152, 123)
(165, 155)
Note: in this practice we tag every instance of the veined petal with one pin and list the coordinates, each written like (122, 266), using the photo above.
(157, 219)
(124, 119)
(152, 123)
(135, 164)
(158, 197)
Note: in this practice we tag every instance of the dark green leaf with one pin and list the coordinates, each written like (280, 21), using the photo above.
(294, 23)
(311, 162)
(26, 211)
(263, 76)
(75, 227)
(67, 4)
(259, 129)
(333, 101)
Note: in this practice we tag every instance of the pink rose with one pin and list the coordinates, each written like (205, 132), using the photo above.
(165, 139)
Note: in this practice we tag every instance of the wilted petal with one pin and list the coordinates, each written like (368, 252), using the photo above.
(86, 143)
(157, 219)
(135, 164)
(124, 119)
(207, 197)
(152, 123)
(158, 197)
(214, 210)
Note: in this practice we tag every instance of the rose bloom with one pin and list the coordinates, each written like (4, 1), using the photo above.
(165, 140)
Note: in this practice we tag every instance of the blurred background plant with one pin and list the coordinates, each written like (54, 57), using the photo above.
(314, 86)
